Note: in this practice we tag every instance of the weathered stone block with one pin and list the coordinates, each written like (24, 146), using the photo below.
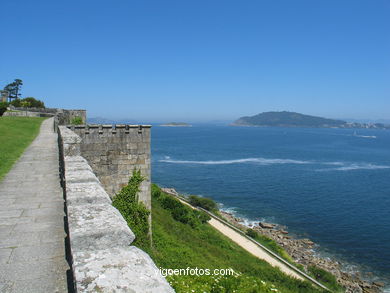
(118, 270)
(77, 166)
(80, 176)
(69, 159)
(86, 193)
(97, 226)
(70, 140)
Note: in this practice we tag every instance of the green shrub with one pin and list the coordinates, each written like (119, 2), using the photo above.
(251, 233)
(16, 103)
(203, 202)
(28, 102)
(3, 107)
(183, 215)
(170, 203)
(77, 121)
(325, 278)
(179, 211)
(135, 213)
(202, 216)
(156, 191)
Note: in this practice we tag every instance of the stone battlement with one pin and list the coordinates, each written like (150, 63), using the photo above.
(114, 151)
(113, 126)
(122, 128)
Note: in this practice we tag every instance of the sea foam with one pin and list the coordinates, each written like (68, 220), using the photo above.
(339, 166)
(261, 161)
(363, 166)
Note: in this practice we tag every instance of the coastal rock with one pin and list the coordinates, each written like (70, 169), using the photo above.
(307, 242)
(266, 225)
(378, 284)
(301, 250)
(365, 285)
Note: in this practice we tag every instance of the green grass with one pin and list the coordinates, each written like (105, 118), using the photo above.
(16, 134)
(177, 245)
(325, 278)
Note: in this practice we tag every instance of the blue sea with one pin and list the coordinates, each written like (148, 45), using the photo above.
(329, 185)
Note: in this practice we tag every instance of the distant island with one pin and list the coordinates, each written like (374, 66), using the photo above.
(293, 119)
(176, 124)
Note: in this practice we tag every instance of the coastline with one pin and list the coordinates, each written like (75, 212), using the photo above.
(303, 251)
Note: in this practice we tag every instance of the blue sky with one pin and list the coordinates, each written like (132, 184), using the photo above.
(200, 60)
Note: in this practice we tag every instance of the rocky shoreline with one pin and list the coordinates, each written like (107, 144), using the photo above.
(302, 251)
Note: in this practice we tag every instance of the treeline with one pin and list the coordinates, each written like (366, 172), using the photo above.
(11, 96)
(28, 102)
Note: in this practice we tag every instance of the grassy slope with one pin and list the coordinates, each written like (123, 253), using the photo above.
(177, 245)
(16, 133)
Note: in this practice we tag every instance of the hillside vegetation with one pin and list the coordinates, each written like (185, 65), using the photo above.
(180, 245)
(183, 239)
(16, 134)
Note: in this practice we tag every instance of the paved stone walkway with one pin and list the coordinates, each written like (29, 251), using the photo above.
(32, 249)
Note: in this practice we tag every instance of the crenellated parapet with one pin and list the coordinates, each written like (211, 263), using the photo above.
(114, 151)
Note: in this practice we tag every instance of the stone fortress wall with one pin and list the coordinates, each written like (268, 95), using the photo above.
(63, 117)
(114, 151)
(66, 116)
(102, 257)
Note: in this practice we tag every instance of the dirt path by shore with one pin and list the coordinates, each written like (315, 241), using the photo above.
(252, 247)
(247, 244)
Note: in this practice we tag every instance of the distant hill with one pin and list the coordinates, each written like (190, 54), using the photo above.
(288, 119)
(292, 119)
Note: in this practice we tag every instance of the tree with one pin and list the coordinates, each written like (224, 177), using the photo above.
(28, 102)
(31, 102)
(13, 89)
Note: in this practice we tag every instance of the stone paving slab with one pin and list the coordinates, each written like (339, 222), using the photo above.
(32, 236)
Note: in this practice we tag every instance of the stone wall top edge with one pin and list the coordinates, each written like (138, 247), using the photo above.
(34, 109)
(109, 126)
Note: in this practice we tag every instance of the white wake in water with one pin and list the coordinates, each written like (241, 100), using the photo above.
(262, 161)
(338, 166)
(361, 166)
